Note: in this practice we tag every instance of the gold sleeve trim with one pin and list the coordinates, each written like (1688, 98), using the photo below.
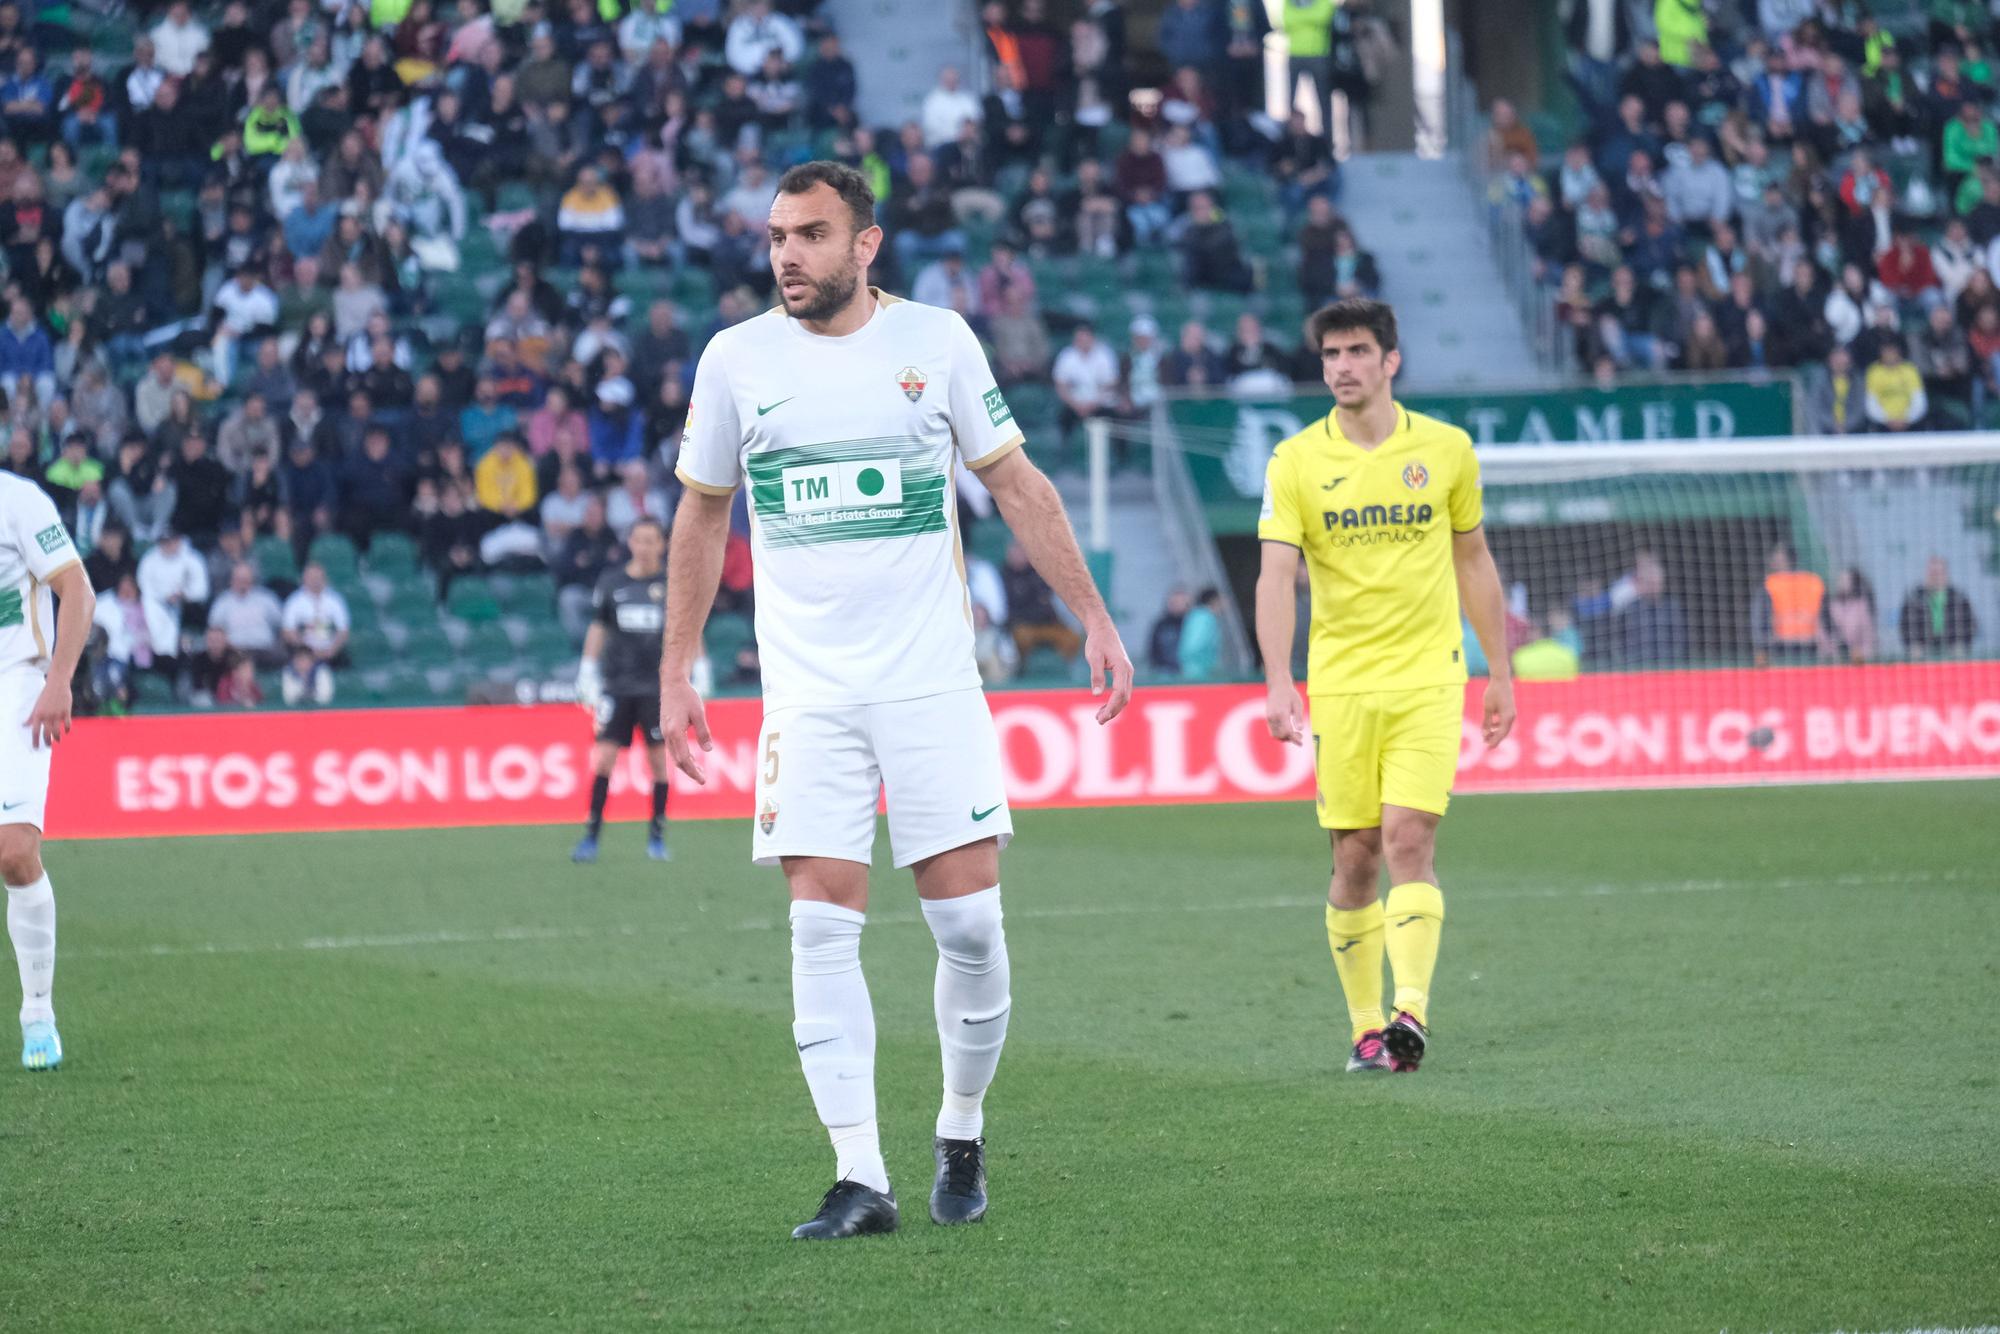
(998, 452)
(703, 487)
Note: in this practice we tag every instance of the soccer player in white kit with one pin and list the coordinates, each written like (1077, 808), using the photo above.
(847, 412)
(38, 656)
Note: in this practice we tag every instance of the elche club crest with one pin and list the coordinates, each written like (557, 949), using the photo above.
(767, 819)
(1416, 477)
(912, 381)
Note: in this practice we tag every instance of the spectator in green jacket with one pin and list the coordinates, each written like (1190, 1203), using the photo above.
(1201, 638)
(1969, 139)
(1308, 26)
(1681, 24)
(270, 125)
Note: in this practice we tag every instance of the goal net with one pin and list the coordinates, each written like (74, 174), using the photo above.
(1785, 610)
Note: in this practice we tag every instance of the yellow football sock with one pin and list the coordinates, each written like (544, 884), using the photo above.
(1415, 919)
(1356, 937)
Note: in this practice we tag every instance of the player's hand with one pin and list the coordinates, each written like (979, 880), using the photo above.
(1105, 652)
(1499, 719)
(589, 684)
(681, 709)
(49, 721)
(1285, 713)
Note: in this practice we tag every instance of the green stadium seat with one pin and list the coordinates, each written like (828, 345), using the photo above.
(1045, 666)
(336, 552)
(471, 600)
(392, 553)
(513, 196)
(428, 647)
(989, 541)
(487, 645)
(275, 561)
(724, 637)
(527, 595)
(368, 644)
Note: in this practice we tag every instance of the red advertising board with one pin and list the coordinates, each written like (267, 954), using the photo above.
(411, 768)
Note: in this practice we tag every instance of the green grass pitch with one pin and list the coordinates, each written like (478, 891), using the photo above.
(1713, 1060)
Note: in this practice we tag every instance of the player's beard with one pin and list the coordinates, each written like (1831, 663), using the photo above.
(829, 296)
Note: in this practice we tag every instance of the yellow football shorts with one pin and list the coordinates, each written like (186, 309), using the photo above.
(1394, 747)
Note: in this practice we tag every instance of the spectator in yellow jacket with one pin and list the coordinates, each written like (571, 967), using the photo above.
(1896, 399)
(504, 480)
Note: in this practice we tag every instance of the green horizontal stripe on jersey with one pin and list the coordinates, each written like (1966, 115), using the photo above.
(10, 607)
(907, 448)
(920, 509)
(768, 497)
(784, 531)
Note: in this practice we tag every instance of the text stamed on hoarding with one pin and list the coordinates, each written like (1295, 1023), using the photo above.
(413, 768)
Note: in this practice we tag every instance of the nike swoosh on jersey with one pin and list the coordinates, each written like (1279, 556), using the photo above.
(761, 409)
(977, 816)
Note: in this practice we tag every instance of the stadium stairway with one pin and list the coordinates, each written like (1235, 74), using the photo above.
(1457, 323)
(1143, 567)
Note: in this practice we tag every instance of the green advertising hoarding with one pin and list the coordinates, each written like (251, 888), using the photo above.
(1227, 441)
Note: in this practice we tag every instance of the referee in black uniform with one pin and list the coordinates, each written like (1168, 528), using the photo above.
(619, 679)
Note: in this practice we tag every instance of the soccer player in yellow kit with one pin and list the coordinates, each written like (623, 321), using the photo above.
(1383, 505)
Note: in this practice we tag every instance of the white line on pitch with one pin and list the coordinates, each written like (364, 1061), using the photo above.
(507, 935)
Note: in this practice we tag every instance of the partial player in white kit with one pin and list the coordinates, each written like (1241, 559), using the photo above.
(38, 657)
(848, 412)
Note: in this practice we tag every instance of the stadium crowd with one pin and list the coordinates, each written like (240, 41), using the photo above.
(289, 275)
(1777, 183)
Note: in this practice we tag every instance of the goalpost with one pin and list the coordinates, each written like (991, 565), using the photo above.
(1762, 610)
(1722, 611)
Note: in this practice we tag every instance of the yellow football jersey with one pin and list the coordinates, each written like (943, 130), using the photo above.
(1376, 526)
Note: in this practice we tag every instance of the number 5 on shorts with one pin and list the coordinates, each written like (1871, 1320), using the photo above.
(771, 760)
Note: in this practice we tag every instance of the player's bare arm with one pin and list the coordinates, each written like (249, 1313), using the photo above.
(49, 721)
(1277, 624)
(1033, 510)
(1485, 605)
(694, 572)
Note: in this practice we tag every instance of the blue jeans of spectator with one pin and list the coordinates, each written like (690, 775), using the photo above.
(610, 247)
(103, 130)
(125, 349)
(1981, 377)
(1149, 221)
(1634, 351)
(176, 173)
(914, 250)
(1295, 197)
(1596, 84)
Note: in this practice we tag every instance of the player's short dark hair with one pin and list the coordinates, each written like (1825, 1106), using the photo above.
(1354, 312)
(843, 180)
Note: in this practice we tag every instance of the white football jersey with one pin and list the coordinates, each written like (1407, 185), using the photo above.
(849, 446)
(33, 546)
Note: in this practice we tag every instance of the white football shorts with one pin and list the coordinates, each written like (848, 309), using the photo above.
(820, 770)
(24, 770)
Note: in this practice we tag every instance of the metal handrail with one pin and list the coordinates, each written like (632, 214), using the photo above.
(1505, 227)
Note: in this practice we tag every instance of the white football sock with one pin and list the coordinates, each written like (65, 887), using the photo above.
(31, 924)
(972, 1002)
(834, 1029)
